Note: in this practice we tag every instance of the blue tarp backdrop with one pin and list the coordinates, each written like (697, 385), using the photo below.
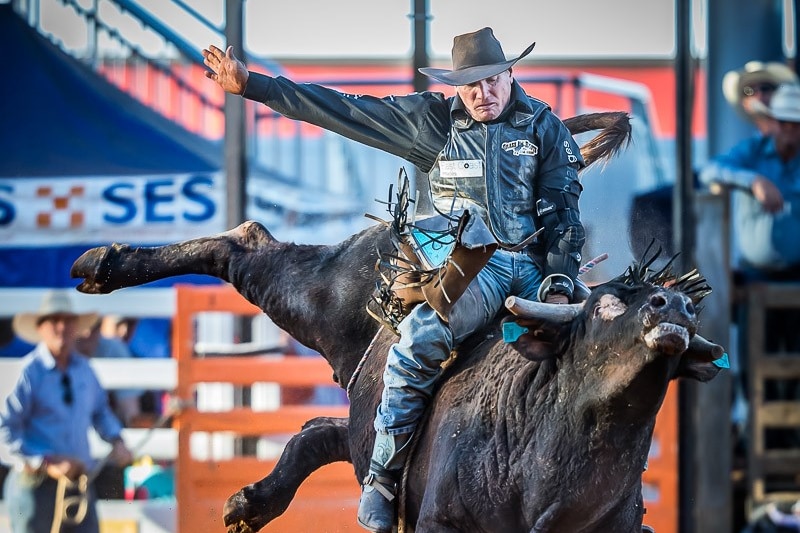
(85, 164)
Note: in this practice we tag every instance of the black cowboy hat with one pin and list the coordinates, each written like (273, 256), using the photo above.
(476, 56)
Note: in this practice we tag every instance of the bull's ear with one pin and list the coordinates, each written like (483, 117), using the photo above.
(534, 338)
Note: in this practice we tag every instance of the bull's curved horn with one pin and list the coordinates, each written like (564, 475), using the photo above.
(704, 350)
(530, 309)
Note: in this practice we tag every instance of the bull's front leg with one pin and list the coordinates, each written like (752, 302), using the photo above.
(108, 268)
(322, 441)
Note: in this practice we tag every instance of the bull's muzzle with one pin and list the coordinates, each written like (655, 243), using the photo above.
(670, 320)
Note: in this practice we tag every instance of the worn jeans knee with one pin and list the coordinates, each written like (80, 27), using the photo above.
(412, 366)
(414, 363)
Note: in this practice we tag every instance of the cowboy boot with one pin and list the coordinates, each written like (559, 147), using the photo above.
(377, 508)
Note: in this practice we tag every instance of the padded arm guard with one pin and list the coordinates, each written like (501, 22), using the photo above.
(565, 236)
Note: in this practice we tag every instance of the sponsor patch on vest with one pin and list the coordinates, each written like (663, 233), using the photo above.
(520, 147)
(462, 168)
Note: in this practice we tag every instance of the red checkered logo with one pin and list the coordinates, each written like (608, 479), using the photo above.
(62, 212)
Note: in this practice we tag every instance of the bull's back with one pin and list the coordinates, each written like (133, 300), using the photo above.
(456, 462)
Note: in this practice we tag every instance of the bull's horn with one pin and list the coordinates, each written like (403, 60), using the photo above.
(530, 309)
(704, 350)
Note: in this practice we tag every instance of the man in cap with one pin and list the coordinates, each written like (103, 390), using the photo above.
(764, 173)
(749, 90)
(490, 149)
(45, 420)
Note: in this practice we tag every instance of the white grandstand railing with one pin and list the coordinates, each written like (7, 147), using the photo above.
(137, 301)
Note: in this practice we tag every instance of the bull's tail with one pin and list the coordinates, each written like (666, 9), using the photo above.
(615, 134)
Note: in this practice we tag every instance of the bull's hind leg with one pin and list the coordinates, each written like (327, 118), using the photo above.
(108, 268)
(322, 441)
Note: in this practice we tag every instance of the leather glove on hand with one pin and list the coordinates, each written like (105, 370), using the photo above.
(556, 298)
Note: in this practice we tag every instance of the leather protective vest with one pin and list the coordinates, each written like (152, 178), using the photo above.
(489, 168)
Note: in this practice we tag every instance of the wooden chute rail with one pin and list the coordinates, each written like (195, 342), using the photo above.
(773, 471)
(329, 496)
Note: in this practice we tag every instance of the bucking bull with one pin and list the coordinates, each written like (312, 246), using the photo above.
(547, 434)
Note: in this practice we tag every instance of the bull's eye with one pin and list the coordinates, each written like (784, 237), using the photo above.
(690, 307)
(658, 300)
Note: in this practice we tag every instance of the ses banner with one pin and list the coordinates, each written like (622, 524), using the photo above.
(143, 210)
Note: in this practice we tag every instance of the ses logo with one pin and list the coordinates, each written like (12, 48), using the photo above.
(160, 201)
(112, 201)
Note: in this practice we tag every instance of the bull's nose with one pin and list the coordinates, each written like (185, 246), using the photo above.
(658, 300)
(679, 302)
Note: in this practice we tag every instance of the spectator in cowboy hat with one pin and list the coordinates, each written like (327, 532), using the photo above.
(749, 90)
(45, 420)
(764, 173)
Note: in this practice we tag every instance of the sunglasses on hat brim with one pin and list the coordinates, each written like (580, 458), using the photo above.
(760, 88)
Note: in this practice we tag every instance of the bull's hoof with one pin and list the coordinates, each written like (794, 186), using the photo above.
(237, 515)
(95, 267)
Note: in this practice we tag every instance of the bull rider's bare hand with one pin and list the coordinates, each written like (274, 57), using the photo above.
(226, 69)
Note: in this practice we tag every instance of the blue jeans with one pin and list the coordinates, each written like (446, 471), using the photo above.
(414, 362)
(30, 501)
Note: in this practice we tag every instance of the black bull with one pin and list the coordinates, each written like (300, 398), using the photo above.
(549, 438)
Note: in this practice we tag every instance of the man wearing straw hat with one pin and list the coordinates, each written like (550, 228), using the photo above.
(491, 150)
(763, 172)
(749, 90)
(45, 420)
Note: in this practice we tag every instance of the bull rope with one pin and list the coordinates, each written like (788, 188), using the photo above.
(403, 489)
(360, 365)
(412, 446)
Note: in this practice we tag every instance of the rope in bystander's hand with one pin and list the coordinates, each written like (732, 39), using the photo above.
(80, 500)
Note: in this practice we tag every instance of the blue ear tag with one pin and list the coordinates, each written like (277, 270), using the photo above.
(513, 331)
(723, 362)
